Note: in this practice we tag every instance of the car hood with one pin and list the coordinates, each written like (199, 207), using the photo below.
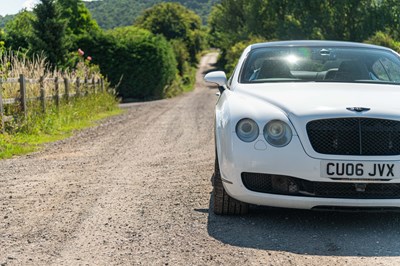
(326, 99)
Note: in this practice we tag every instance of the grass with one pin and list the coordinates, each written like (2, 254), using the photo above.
(23, 134)
(31, 133)
(190, 80)
(182, 84)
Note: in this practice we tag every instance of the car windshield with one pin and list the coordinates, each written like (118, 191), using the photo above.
(321, 64)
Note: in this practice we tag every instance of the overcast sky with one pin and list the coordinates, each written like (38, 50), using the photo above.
(8, 7)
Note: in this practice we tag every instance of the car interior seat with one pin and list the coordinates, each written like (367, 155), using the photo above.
(272, 68)
(352, 70)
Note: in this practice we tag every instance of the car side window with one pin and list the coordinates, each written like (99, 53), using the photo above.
(386, 70)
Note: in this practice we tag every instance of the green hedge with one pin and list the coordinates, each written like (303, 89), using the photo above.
(142, 65)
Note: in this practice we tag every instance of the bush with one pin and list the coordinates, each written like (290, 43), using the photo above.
(384, 39)
(140, 64)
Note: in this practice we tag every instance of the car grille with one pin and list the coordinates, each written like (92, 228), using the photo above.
(286, 185)
(355, 136)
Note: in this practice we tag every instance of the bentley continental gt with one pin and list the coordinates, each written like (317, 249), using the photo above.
(308, 125)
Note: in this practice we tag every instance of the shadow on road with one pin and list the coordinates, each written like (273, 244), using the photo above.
(310, 232)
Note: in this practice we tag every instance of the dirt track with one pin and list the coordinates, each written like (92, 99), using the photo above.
(135, 190)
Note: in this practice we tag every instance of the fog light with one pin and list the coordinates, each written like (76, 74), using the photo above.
(284, 184)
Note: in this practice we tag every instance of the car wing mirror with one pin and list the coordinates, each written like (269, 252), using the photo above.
(217, 77)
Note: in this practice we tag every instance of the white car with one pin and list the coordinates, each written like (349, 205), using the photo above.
(308, 125)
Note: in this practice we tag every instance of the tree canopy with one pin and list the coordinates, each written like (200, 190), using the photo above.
(78, 17)
(174, 22)
(234, 21)
(49, 33)
(19, 31)
(115, 13)
(167, 37)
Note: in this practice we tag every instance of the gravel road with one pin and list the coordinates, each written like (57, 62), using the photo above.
(135, 190)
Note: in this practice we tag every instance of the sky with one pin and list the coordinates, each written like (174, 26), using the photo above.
(9, 7)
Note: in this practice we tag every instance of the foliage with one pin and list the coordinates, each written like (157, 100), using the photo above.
(19, 31)
(50, 33)
(110, 14)
(175, 22)
(23, 134)
(181, 56)
(141, 64)
(155, 57)
(78, 17)
(4, 20)
(116, 13)
(57, 28)
(2, 42)
(234, 21)
(56, 124)
(79, 23)
(172, 20)
(384, 39)
(54, 32)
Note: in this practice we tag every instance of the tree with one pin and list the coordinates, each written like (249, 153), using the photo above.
(174, 22)
(388, 17)
(116, 13)
(234, 21)
(19, 31)
(49, 33)
(78, 16)
(226, 29)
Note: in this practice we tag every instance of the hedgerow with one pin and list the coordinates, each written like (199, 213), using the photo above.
(140, 64)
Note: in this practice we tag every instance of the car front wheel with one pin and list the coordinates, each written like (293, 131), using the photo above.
(223, 203)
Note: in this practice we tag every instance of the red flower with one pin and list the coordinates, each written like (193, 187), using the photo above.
(80, 52)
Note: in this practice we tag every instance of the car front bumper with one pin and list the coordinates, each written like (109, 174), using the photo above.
(293, 162)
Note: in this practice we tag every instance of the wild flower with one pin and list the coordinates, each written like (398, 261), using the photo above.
(80, 52)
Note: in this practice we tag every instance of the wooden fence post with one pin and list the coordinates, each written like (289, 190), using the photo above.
(86, 87)
(94, 85)
(2, 107)
(57, 90)
(78, 84)
(42, 94)
(22, 84)
(101, 85)
(66, 89)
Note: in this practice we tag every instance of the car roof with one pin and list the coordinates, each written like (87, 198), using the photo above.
(316, 43)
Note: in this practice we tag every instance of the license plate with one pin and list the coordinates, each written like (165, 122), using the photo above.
(364, 170)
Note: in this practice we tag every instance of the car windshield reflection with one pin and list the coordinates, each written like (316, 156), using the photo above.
(321, 64)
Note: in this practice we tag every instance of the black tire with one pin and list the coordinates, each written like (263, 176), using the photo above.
(223, 203)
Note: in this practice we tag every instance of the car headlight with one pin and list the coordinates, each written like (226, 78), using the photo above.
(277, 133)
(247, 130)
